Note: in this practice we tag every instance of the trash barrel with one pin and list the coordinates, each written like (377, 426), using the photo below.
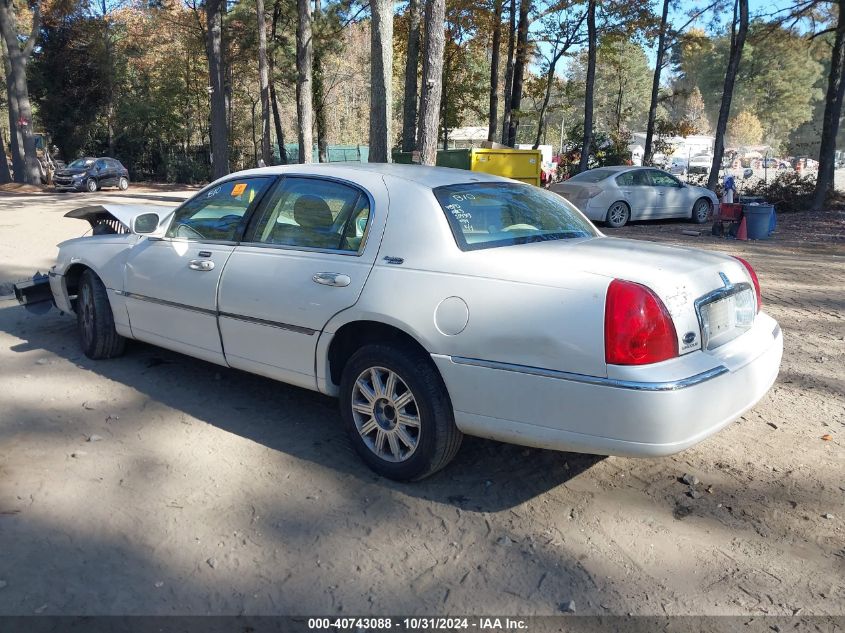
(758, 218)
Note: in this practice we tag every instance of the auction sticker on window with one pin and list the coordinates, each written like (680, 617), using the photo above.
(238, 189)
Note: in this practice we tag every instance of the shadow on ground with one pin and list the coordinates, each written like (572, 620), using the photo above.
(486, 476)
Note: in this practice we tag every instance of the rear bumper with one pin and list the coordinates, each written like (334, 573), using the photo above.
(615, 416)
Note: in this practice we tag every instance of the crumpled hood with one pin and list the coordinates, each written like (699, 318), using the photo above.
(99, 213)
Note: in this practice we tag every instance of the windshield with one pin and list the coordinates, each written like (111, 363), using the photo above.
(81, 162)
(486, 215)
(593, 175)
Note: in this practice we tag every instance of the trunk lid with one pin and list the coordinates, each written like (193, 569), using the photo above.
(679, 276)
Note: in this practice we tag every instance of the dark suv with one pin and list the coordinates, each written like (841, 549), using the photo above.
(91, 174)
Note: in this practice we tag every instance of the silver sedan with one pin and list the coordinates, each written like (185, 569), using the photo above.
(616, 195)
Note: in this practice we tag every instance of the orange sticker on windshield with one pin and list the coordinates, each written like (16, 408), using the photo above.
(238, 189)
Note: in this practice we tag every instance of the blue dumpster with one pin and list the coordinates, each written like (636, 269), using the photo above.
(758, 220)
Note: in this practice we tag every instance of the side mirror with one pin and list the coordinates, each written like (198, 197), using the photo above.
(145, 223)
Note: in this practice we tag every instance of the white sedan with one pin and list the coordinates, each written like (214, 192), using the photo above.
(617, 195)
(433, 303)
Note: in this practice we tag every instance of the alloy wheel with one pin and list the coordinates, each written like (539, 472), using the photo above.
(386, 414)
(618, 214)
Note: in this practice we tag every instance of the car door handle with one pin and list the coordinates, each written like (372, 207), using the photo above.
(201, 264)
(332, 279)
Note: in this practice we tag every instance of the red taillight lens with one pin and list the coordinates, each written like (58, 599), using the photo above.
(754, 280)
(637, 327)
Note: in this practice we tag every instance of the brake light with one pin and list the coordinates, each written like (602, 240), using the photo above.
(754, 280)
(637, 327)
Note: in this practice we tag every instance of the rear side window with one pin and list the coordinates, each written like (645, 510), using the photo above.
(487, 215)
(633, 179)
(314, 213)
(216, 213)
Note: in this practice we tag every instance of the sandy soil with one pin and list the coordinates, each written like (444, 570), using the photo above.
(159, 484)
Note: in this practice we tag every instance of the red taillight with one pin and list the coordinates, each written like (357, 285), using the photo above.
(637, 327)
(754, 280)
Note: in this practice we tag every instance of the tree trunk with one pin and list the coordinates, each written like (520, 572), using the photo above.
(412, 62)
(26, 166)
(274, 102)
(5, 174)
(655, 85)
(381, 75)
(832, 114)
(304, 96)
(589, 88)
(109, 50)
(506, 115)
(737, 44)
(519, 70)
(264, 84)
(432, 84)
(494, 72)
(15, 135)
(319, 96)
(277, 123)
(214, 10)
(541, 123)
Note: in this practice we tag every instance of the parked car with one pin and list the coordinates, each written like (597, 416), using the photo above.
(617, 195)
(678, 167)
(433, 303)
(700, 164)
(91, 174)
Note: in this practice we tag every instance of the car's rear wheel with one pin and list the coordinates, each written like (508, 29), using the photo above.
(123, 183)
(701, 211)
(95, 320)
(91, 185)
(397, 412)
(618, 215)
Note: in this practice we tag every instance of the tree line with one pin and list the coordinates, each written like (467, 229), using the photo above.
(190, 89)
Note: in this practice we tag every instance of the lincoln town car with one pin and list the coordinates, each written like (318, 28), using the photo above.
(432, 303)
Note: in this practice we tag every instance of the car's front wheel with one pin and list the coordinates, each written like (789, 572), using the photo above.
(91, 185)
(397, 412)
(123, 183)
(618, 215)
(701, 211)
(95, 320)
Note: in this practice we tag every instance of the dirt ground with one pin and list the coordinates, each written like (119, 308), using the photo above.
(159, 484)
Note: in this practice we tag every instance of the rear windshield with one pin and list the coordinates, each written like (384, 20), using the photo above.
(486, 215)
(593, 175)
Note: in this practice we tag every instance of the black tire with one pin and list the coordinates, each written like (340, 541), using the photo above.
(618, 215)
(438, 439)
(95, 321)
(123, 183)
(701, 211)
(91, 185)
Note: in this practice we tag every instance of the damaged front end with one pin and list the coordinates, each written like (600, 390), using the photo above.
(35, 294)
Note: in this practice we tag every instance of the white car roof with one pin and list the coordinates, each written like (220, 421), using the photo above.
(427, 176)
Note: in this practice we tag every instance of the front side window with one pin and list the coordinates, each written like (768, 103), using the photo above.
(486, 215)
(216, 213)
(314, 213)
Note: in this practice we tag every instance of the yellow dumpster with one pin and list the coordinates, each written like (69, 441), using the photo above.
(519, 164)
